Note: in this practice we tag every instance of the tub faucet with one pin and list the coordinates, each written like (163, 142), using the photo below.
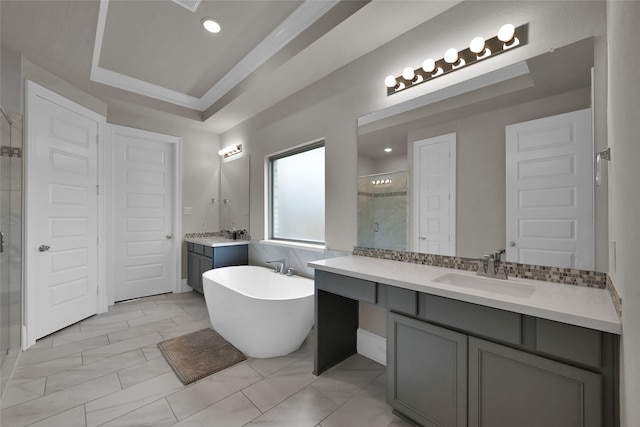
(279, 265)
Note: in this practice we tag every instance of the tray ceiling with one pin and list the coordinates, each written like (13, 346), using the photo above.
(155, 53)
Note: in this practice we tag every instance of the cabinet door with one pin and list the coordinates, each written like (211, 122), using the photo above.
(204, 264)
(510, 388)
(427, 372)
(193, 269)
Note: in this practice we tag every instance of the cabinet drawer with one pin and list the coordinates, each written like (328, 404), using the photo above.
(570, 342)
(402, 300)
(199, 249)
(189, 247)
(472, 318)
(350, 287)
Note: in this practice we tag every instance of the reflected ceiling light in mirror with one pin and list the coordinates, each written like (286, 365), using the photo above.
(231, 150)
(388, 150)
(508, 37)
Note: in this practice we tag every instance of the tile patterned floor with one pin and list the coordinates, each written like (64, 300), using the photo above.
(107, 371)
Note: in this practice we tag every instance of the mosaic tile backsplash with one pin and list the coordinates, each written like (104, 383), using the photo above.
(242, 235)
(567, 276)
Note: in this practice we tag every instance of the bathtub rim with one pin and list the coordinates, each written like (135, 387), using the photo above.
(236, 267)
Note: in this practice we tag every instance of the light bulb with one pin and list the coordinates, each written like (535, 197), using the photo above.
(390, 81)
(408, 73)
(451, 56)
(211, 25)
(388, 150)
(429, 65)
(506, 33)
(477, 45)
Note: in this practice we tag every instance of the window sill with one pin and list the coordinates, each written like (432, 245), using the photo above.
(296, 245)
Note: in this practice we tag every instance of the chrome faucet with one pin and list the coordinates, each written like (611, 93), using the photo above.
(491, 266)
(279, 265)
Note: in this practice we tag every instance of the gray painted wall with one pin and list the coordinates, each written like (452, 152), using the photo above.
(329, 108)
(624, 194)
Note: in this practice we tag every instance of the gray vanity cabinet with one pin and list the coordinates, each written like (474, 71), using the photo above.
(432, 371)
(452, 363)
(201, 258)
(427, 371)
(508, 387)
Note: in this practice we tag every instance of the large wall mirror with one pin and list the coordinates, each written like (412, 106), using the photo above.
(234, 193)
(476, 112)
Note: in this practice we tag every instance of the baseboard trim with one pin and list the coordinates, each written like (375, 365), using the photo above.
(184, 287)
(372, 346)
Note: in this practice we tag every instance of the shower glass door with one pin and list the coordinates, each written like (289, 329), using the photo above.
(10, 239)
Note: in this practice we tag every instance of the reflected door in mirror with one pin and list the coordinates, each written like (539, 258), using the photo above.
(549, 189)
(434, 195)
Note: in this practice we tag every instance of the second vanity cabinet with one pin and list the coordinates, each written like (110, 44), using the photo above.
(201, 258)
(454, 363)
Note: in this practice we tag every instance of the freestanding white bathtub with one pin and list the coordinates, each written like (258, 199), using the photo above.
(262, 313)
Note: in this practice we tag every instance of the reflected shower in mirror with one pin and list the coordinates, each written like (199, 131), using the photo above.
(234, 194)
(383, 210)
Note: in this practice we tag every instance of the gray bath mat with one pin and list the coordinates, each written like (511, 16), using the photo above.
(199, 354)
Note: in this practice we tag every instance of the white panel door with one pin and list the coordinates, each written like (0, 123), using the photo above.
(434, 195)
(550, 191)
(62, 217)
(144, 261)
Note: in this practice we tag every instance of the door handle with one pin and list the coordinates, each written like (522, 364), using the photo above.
(43, 248)
(423, 237)
(169, 236)
(512, 243)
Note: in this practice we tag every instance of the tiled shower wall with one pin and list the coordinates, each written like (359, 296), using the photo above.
(11, 226)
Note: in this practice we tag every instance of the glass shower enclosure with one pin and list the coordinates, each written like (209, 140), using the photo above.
(10, 241)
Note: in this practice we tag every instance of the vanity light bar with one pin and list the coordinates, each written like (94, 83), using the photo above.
(231, 150)
(508, 38)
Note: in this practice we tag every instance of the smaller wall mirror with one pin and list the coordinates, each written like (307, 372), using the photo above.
(234, 194)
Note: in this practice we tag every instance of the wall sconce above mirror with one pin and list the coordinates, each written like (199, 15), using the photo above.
(508, 37)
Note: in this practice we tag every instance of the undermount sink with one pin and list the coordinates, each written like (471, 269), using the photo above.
(497, 286)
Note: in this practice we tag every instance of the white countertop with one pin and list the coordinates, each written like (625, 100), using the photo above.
(575, 305)
(216, 241)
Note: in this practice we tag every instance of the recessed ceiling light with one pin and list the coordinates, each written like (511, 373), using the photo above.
(211, 25)
(388, 150)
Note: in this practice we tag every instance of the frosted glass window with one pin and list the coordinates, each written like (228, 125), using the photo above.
(297, 195)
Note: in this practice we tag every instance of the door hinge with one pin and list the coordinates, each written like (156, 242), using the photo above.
(97, 139)
(98, 290)
(97, 240)
(98, 190)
